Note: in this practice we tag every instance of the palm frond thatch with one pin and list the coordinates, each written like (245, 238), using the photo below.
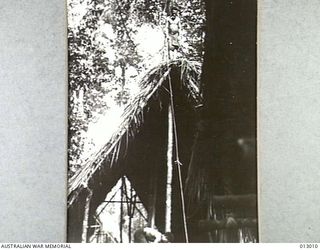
(132, 117)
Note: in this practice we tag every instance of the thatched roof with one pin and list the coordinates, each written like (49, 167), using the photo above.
(132, 117)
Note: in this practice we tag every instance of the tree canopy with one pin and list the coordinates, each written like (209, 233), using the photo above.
(112, 44)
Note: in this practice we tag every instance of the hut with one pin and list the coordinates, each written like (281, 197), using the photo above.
(188, 149)
(156, 141)
(139, 148)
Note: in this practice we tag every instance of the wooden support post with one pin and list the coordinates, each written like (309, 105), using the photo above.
(85, 225)
(130, 212)
(121, 209)
(169, 171)
(152, 199)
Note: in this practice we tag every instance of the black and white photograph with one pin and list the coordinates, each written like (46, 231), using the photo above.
(162, 121)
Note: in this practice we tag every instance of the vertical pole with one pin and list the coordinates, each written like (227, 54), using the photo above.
(174, 133)
(84, 237)
(152, 202)
(121, 210)
(209, 212)
(169, 172)
(130, 213)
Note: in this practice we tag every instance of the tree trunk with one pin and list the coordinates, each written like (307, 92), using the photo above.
(85, 226)
(217, 169)
(229, 90)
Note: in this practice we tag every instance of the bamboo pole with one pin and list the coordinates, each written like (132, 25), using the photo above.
(121, 209)
(169, 171)
(169, 150)
(85, 225)
(130, 211)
